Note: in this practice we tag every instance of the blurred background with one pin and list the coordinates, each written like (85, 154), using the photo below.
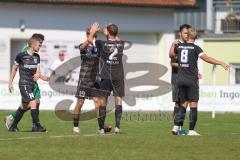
(150, 25)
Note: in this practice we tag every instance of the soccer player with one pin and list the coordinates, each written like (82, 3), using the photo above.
(29, 71)
(183, 33)
(187, 80)
(36, 91)
(89, 71)
(112, 73)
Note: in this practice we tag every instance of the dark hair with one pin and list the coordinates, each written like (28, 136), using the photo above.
(112, 29)
(187, 26)
(38, 36)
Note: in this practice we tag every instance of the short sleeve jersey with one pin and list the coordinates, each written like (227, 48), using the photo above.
(188, 54)
(27, 67)
(111, 53)
(89, 69)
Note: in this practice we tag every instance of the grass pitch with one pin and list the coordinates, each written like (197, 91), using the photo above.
(143, 138)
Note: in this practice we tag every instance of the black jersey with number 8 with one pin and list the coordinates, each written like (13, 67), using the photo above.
(188, 54)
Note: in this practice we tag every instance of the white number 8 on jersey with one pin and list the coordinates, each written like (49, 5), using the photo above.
(184, 56)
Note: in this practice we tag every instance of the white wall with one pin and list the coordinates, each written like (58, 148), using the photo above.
(147, 47)
(69, 17)
(151, 30)
(57, 36)
(219, 15)
(68, 22)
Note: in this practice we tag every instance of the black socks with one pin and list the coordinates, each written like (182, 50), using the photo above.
(19, 115)
(102, 115)
(35, 118)
(76, 120)
(175, 114)
(192, 118)
(179, 116)
(118, 115)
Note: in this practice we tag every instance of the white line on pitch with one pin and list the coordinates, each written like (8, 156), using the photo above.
(57, 136)
(20, 138)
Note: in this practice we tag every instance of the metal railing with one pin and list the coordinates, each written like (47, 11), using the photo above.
(227, 16)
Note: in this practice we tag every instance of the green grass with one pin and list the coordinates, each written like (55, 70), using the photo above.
(141, 140)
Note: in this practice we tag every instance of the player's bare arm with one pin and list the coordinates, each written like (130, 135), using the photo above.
(37, 74)
(171, 51)
(12, 75)
(85, 44)
(93, 30)
(173, 64)
(211, 60)
(44, 78)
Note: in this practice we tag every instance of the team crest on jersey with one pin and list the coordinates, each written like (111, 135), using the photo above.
(35, 60)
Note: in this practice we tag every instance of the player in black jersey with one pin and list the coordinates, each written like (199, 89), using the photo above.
(178, 125)
(187, 80)
(87, 84)
(29, 70)
(111, 73)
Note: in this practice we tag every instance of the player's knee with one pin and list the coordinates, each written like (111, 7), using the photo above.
(32, 104)
(37, 101)
(80, 103)
(25, 106)
(118, 100)
(103, 101)
(97, 103)
(193, 104)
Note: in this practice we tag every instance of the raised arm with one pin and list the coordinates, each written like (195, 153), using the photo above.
(172, 49)
(214, 61)
(93, 30)
(12, 75)
(84, 44)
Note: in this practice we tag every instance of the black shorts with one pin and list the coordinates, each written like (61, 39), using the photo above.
(90, 91)
(175, 91)
(117, 86)
(27, 93)
(188, 91)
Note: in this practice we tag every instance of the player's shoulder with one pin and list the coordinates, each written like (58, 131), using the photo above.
(117, 42)
(36, 54)
(21, 54)
(196, 46)
(190, 45)
(120, 41)
(99, 41)
(80, 46)
(177, 42)
(180, 46)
